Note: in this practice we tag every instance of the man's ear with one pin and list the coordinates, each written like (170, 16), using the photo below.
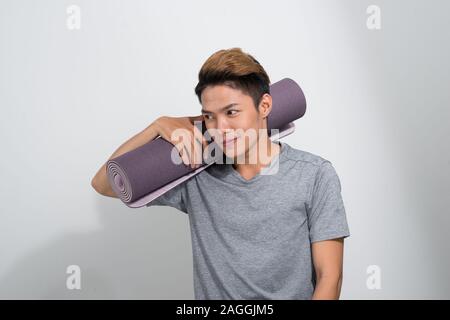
(265, 105)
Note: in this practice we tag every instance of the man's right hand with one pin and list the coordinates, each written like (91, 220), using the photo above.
(164, 127)
(172, 129)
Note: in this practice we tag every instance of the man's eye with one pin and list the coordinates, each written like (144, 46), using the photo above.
(232, 112)
(207, 116)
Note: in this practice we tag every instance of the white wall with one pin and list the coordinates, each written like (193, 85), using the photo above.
(377, 108)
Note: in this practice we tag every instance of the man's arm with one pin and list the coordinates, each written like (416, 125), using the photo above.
(100, 181)
(328, 260)
(163, 126)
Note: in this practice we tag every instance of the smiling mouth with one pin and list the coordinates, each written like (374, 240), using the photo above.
(229, 141)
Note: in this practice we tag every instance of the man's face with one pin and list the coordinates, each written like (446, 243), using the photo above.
(234, 117)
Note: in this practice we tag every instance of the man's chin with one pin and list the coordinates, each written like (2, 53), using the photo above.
(231, 156)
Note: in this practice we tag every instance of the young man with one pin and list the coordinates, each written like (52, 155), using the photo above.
(257, 233)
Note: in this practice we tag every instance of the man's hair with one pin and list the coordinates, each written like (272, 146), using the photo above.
(236, 69)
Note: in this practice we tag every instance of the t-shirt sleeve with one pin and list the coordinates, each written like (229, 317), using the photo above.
(175, 198)
(326, 213)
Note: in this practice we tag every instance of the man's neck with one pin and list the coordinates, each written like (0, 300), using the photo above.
(248, 170)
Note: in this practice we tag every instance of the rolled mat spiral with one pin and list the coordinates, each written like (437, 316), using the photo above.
(143, 174)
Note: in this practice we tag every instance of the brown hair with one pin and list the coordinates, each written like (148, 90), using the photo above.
(236, 69)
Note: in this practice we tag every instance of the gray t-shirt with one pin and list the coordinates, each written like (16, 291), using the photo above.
(251, 239)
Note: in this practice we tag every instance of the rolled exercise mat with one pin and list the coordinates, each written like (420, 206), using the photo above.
(145, 173)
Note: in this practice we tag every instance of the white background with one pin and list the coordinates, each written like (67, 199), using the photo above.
(378, 109)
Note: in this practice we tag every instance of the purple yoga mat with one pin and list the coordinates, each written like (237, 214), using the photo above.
(143, 174)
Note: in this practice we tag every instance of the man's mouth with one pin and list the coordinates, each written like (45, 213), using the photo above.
(229, 142)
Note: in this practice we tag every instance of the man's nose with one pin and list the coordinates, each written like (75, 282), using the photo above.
(220, 129)
(222, 124)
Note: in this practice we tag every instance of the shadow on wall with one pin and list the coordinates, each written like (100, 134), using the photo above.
(137, 254)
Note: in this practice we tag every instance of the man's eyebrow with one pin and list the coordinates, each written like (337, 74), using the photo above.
(223, 109)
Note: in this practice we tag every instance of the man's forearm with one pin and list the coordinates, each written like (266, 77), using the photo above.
(100, 181)
(327, 288)
(137, 140)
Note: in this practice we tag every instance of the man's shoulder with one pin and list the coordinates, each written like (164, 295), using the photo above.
(319, 168)
(296, 154)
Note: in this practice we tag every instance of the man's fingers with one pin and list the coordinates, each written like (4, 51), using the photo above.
(196, 153)
(199, 145)
(188, 152)
(183, 154)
